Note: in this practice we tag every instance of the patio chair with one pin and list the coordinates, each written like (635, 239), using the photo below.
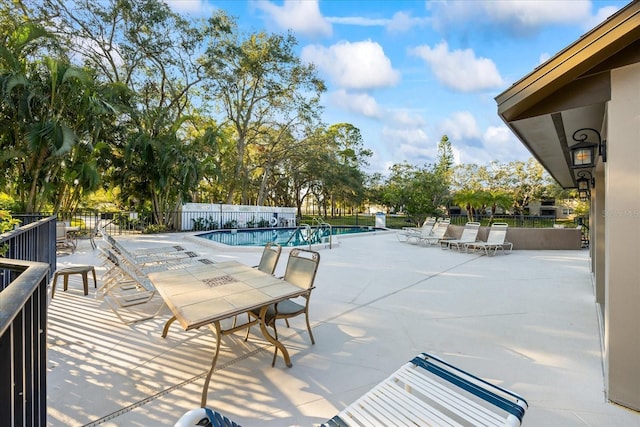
(469, 235)
(269, 258)
(63, 239)
(301, 270)
(407, 232)
(495, 240)
(427, 391)
(437, 233)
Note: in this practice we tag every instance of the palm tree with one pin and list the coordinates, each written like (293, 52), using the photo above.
(50, 115)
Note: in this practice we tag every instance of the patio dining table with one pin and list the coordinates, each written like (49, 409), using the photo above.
(205, 295)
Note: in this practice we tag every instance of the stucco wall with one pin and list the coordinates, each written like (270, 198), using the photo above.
(532, 238)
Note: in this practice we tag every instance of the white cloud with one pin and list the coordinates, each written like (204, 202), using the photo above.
(302, 17)
(502, 145)
(415, 137)
(406, 118)
(190, 7)
(460, 70)
(360, 21)
(358, 65)
(514, 17)
(461, 125)
(534, 14)
(496, 143)
(360, 103)
(403, 21)
(544, 57)
(601, 14)
(411, 145)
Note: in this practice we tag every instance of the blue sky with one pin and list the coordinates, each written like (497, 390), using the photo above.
(407, 72)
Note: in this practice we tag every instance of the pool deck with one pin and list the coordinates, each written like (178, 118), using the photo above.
(526, 321)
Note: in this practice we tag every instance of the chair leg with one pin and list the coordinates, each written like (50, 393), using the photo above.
(275, 352)
(309, 328)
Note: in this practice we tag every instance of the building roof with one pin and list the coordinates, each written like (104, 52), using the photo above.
(567, 94)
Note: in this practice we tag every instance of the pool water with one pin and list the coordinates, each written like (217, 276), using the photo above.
(283, 236)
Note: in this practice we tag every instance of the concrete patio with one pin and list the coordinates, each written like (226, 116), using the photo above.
(526, 321)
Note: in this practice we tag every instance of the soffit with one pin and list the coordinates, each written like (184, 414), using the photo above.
(550, 136)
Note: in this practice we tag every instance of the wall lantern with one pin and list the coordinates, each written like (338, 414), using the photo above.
(583, 154)
(585, 182)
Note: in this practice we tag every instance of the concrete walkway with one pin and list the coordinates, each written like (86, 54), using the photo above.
(526, 321)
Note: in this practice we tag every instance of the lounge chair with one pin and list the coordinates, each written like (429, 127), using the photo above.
(469, 235)
(427, 391)
(495, 240)
(160, 254)
(437, 234)
(410, 232)
(125, 286)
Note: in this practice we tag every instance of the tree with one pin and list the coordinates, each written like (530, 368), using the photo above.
(261, 84)
(419, 192)
(50, 115)
(158, 56)
(342, 176)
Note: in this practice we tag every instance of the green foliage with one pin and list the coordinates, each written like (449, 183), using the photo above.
(204, 224)
(7, 202)
(155, 228)
(418, 192)
(230, 224)
(7, 223)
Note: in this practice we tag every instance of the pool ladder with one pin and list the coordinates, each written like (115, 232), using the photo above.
(313, 232)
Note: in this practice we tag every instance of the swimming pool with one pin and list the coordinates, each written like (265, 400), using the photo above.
(283, 236)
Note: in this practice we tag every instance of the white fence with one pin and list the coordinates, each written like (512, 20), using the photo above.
(206, 216)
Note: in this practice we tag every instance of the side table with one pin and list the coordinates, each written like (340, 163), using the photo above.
(66, 272)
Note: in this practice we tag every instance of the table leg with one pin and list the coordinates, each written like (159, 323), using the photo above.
(271, 339)
(165, 330)
(205, 388)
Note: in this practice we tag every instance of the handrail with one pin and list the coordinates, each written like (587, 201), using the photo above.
(23, 341)
(309, 238)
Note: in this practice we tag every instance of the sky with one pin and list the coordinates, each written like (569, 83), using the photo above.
(407, 72)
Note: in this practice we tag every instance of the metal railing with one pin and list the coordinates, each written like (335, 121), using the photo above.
(129, 222)
(25, 271)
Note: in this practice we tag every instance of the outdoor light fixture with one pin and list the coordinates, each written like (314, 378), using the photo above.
(585, 182)
(583, 153)
(603, 150)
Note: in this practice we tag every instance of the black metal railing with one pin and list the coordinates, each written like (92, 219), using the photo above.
(23, 342)
(27, 263)
(129, 222)
(34, 240)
